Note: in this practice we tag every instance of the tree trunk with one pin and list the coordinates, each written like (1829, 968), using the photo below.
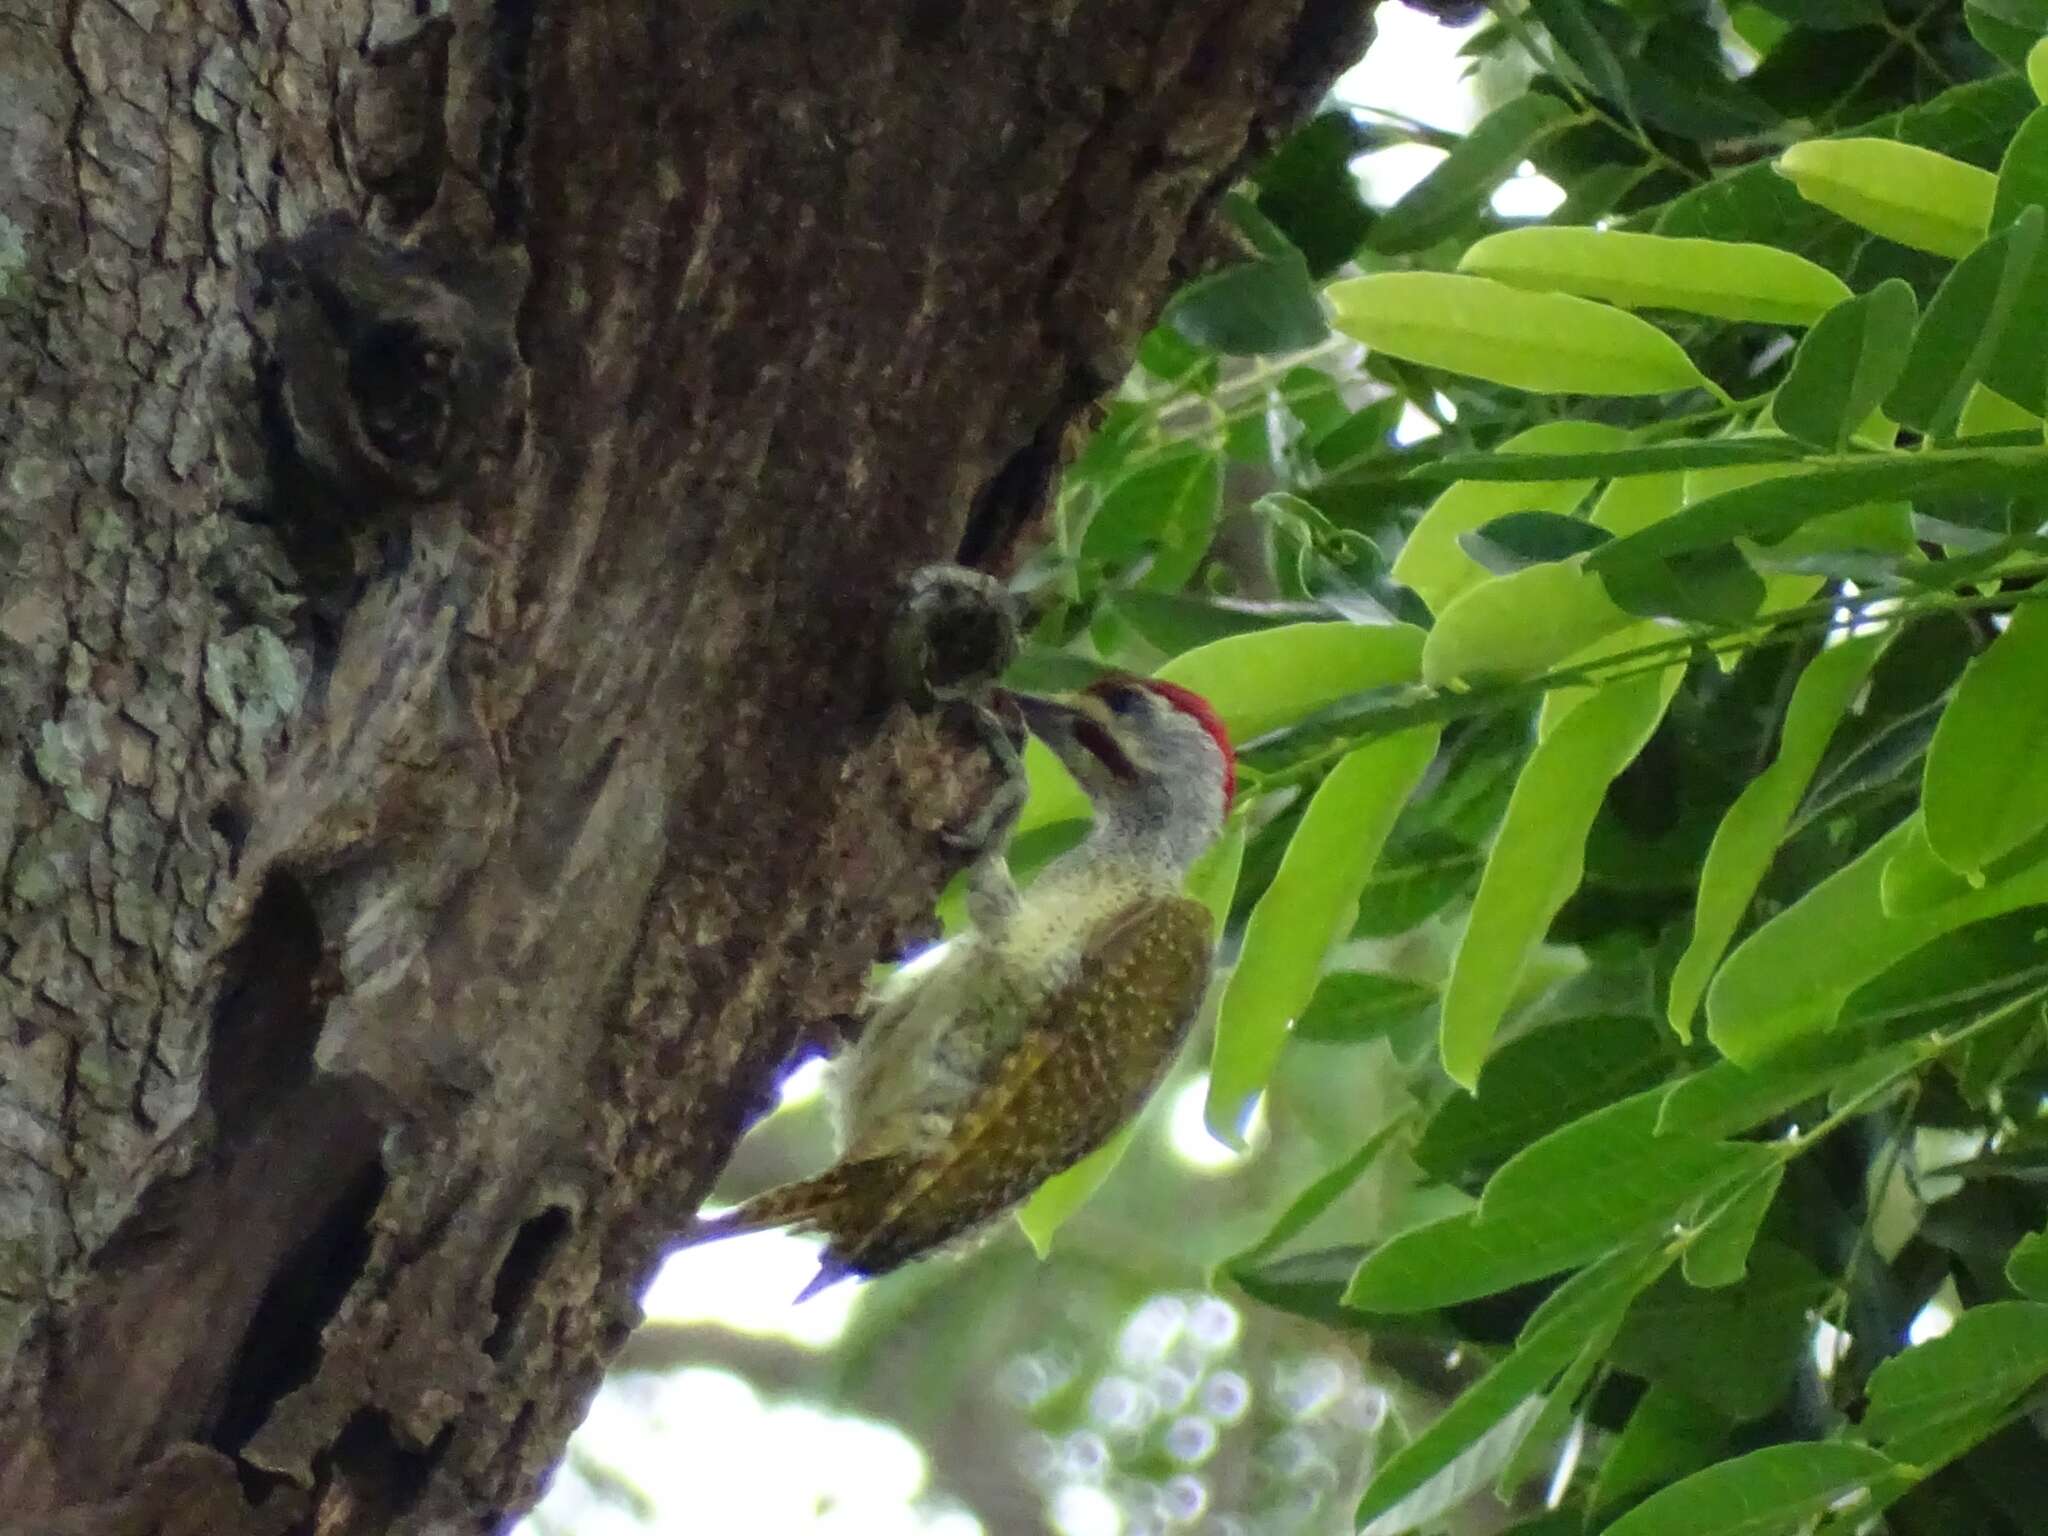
(449, 753)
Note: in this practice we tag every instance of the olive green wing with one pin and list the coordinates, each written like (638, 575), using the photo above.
(1106, 1040)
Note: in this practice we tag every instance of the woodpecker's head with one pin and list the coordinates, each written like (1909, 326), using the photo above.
(1151, 755)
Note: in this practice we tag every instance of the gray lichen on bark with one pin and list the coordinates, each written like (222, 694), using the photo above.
(374, 1003)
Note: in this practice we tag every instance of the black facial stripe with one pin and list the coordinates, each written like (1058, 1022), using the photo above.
(1103, 748)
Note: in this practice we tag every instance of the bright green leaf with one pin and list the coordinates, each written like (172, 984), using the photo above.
(2037, 70)
(1066, 1192)
(1306, 908)
(1766, 1493)
(1729, 279)
(1539, 855)
(1519, 626)
(1846, 365)
(1749, 834)
(1432, 561)
(1901, 191)
(1547, 343)
(1985, 792)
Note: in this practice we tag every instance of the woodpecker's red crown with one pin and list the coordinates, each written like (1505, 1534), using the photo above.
(1195, 707)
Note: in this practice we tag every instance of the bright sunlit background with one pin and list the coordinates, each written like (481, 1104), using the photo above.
(674, 1444)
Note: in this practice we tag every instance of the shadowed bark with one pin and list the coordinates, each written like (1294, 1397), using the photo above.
(448, 754)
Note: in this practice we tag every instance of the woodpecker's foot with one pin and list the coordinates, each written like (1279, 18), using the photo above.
(990, 827)
(954, 633)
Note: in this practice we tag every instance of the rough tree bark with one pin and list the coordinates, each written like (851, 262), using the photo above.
(388, 960)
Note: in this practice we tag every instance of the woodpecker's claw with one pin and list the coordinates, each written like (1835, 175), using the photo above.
(989, 828)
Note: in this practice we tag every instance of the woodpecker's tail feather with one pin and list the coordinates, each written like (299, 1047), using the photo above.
(843, 1202)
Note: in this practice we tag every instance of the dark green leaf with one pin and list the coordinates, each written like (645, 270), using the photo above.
(1554, 1205)
(1667, 1436)
(1581, 1315)
(1587, 51)
(1312, 1202)
(1522, 539)
(1171, 501)
(1537, 1083)
(1309, 190)
(1963, 326)
(1846, 365)
(1259, 306)
(1415, 878)
(1351, 1006)
(1485, 157)
(1704, 453)
(1707, 586)
(1734, 1348)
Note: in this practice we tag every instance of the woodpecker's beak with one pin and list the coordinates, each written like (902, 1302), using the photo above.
(1080, 730)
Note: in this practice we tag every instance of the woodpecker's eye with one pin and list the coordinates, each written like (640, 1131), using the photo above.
(1123, 701)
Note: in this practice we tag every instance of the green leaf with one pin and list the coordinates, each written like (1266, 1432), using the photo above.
(1172, 501)
(1570, 1198)
(1539, 855)
(1984, 793)
(1787, 982)
(1734, 1348)
(1963, 327)
(1260, 682)
(1305, 910)
(1580, 1317)
(1719, 1251)
(1305, 1208)
(1702, 586)
(1352, 1006)
(1729, 279)
(1487, 155)
(1435, 565)
(1519, 626)
(1418, 876)
(1251, 308)
(1657, 459)
(1535, 1084)
(1520, 539)
(1587, 54)
(1749, 834)
(1766, 1493)
(2026, 1267)
(2018, 369)
(1066, 1192)
(1936, 1399)
(1901, 191)
(1725, 1098)
(1772, 510)
(1547, 343)
(1667, 1436)
(2037, 70)
(1846, 365)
